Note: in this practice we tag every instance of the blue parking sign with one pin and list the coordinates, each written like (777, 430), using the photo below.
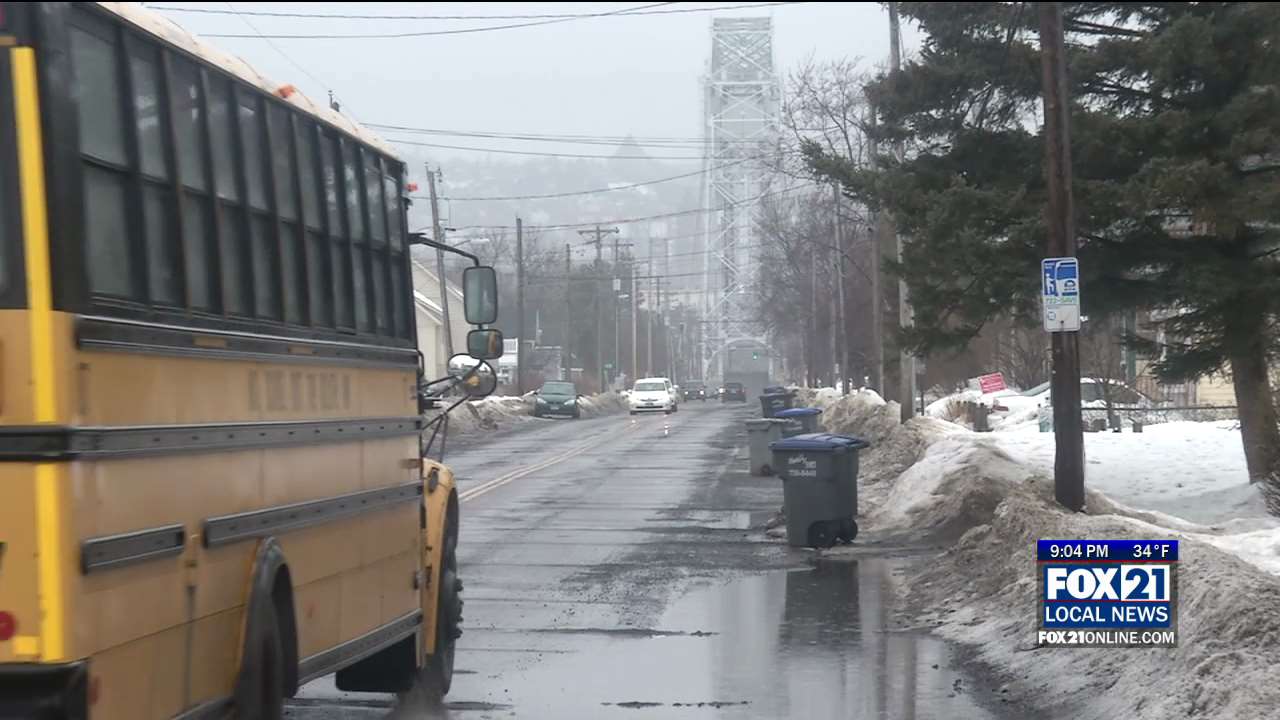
(1060, 294)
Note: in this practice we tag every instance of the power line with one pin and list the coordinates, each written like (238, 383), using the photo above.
(673, 142)
(417, 143)
(625, 221)
(231, 9)
(531, 16)
(457, 31)
(585, 192)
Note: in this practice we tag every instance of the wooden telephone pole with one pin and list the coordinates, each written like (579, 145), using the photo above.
(1068, 465)
(599, 234)
(519, 307)
(437, 234)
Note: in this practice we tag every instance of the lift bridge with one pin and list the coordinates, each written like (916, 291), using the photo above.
(741, 110)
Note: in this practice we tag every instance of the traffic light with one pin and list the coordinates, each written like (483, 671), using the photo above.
(755, 355)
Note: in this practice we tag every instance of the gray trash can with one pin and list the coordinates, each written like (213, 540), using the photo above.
(805, 420)
(760, 433)
(819, 473)
(773, 403)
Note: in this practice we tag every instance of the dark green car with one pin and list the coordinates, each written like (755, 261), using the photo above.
(557, 398)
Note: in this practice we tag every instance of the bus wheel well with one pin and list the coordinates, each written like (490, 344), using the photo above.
(282, 603)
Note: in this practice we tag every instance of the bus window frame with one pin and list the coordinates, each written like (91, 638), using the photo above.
(73, 296)
(13, 279)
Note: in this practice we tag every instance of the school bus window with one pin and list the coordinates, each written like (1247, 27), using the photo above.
(148, 115)
(284, 173)
(319, 279)
(102, 144)
(355, 213)
(373, 188)
(378, 242)
(391, 199)
(340, 261)
(351, 183)
(188, 113)
(233, 246)
(164, 281)
(262, 237)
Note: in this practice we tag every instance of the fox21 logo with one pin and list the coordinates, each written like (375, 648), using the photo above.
(1108, 592)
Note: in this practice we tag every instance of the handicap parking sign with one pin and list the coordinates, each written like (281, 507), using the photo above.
(1060, 294)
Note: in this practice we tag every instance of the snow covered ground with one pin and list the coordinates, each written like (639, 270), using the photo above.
(1195, 471)
(987, 497)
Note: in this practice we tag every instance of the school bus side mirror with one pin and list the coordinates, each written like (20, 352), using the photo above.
(480, 295)
(475, 377)
(485, 344)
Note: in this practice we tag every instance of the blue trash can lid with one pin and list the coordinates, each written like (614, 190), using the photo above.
(797, 412)
(823, 442)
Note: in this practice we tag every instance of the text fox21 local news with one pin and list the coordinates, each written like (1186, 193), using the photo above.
(1107, 593)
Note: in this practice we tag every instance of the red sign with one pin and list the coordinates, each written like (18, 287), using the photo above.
(993, 382)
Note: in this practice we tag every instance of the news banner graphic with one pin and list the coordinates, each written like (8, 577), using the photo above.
(1108, 593)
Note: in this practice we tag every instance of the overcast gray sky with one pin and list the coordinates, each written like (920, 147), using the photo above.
(599, 76)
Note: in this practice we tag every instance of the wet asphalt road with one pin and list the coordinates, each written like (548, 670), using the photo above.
(615, 569)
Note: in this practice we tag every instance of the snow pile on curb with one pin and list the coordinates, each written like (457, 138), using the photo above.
(498, 411)
(990, 508)
(894, 446)
(602, 404)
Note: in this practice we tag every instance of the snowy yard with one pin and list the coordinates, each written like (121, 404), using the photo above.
(1194, 471)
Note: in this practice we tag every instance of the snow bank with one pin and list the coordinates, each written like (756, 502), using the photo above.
(498, 411)
(894, 446)
(991, 507)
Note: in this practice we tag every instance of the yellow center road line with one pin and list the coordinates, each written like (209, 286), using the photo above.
(494, 484)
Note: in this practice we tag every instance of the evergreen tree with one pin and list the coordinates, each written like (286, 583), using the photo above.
(1175, 135)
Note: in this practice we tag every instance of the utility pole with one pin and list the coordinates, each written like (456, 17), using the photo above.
(595, 306)
(906, 361)
(567, 354)
(635, 351)
(662, 322)
(841, 334)
(813, 317)
(519, 307)
(1068, 465)
(437, 234)
(648, 327)
(876, 361)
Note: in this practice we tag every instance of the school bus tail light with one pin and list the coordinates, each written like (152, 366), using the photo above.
(8, 625)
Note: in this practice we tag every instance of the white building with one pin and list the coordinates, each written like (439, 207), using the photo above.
(430, 320)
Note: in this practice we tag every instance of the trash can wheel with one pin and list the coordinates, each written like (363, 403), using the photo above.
(766, 470)
(823, 534)
(848, 530)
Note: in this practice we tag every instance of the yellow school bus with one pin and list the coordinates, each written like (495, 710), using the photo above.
(212, 477)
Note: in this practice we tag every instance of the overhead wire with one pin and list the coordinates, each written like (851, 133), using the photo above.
(455, 31)
(280, 51)
(586, 156)
(644, 10)
(577, 193)
(571, 139)
(661, 216)
(527, 16)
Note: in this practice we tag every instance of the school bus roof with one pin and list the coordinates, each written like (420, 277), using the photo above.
(164, 28)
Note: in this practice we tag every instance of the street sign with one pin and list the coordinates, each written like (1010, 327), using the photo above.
(1060, 294)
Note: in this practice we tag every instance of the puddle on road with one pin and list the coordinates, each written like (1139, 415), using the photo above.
(815, 643)
(714, 519)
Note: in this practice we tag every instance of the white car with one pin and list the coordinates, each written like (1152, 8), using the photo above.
(652, 395)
